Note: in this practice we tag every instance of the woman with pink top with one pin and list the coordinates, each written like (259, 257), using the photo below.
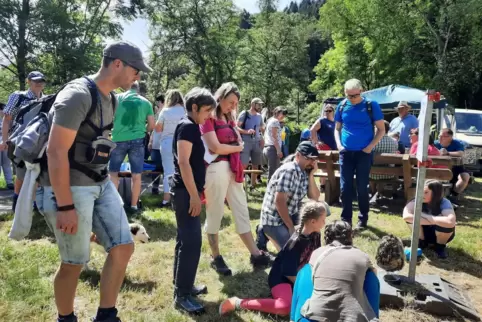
(432, 150)
(224, 179)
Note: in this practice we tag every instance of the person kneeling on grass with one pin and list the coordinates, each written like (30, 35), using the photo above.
(438, 218)
(294, 255)
(338, 284)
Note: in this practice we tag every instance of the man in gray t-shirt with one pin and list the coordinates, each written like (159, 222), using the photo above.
(77, 197)
(251, 126)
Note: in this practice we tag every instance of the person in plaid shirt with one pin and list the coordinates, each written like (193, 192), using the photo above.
(36, 83)
(386, 145)
(288, 186)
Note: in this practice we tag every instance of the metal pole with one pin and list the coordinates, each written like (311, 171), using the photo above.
(425, 121)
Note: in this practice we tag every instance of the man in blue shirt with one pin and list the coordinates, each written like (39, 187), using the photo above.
(355, 139)
(404, 123)
(450, 147)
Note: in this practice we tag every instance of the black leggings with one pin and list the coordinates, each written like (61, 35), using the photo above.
(188, 243)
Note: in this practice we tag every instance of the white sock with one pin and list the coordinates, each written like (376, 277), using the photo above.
(164, 202)
(134, 207)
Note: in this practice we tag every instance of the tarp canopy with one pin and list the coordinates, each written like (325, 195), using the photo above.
(389, 96)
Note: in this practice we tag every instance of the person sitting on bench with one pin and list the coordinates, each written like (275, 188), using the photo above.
(438, 218)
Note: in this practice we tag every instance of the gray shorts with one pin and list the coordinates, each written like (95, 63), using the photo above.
(252, 150)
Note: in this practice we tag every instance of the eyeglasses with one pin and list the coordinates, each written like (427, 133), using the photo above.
(329, 111)
(414, 133)
(353, 96)
(127, 64)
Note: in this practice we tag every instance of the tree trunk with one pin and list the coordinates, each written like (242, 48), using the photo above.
(22, 43)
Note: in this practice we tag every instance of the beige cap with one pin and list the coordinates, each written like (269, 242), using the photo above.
(256, 101)
(403, 104)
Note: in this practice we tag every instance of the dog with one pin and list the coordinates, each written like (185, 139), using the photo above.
(138, 233)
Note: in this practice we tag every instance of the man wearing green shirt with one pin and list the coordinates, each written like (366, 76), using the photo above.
(133, 118)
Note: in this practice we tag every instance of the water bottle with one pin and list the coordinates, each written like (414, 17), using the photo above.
(408, 251)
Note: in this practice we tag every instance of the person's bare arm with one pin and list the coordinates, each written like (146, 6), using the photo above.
(60, 142)
(217, 148)
(150, 123)
(274, 133)
(314, 131)
(409, 213)
(291, 278)
(159, 127)
(281, 202)
(378, 136)
(338, 135)
(446, 220)
(456, 154)
(6, 127)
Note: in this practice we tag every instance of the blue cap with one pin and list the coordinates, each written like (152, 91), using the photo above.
(305, 134)
(36, 76)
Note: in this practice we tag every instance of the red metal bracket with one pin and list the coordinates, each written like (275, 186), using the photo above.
(435, 97)
(425, 164)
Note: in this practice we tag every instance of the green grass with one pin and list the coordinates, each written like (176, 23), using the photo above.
(27, 267)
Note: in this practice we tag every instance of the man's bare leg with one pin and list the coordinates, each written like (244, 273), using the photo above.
(65, 285)
(113, 274)
(136, 188)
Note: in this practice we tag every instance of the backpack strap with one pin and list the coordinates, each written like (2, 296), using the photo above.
(243, 126)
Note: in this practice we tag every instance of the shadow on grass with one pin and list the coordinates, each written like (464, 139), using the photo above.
(92, 278)
(458, 261)
(252, 284)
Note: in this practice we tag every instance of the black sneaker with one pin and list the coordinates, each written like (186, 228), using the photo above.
(69, 319)
(165, 205)
(261, 261)
(10, 186)
(441, 251)
(131, 211)
(188, 304)
(116, 319)
(220, 266)
(361, 225)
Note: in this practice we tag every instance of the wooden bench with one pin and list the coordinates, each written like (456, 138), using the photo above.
(405, 167)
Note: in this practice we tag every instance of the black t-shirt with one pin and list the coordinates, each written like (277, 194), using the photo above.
(288, 260)
(188, 130)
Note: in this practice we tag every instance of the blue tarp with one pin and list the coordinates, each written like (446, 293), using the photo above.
(389, 96)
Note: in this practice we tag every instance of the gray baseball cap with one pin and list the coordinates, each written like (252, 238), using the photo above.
(128, 53)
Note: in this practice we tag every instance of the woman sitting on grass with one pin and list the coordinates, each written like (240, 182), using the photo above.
(294, 255)
(438, 218)
(340, 279)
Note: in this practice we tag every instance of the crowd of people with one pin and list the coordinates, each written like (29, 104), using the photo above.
(77, 189)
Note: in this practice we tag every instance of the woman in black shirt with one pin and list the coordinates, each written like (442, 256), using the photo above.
(186, 184)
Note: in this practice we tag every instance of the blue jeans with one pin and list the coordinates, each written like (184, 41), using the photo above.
(167, 162)
(134, 149)
(6, 166)
(354, 163)
(280, 234)
(99, 209)
(156, 158)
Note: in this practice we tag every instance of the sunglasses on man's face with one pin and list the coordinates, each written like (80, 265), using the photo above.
(353, 96)
(414, 133)
(127, 64)
(329, 111)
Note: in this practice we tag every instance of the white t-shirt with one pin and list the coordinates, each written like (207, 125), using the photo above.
(268, 135)
(169, 117)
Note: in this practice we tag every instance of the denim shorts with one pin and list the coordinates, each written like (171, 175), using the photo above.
(134, 149)
(99, 209)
